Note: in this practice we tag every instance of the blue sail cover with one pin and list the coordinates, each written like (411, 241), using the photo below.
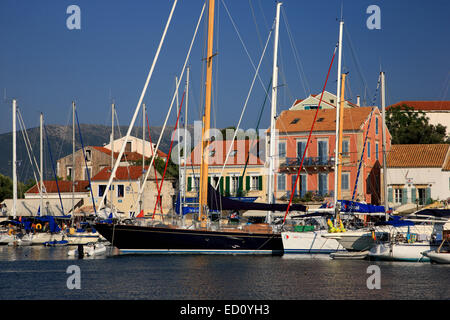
(395, 221)
(217, 202)
(358, 207)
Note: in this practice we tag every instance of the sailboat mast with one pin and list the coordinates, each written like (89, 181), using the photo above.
(141, 207)
(338, 108)
(73, 157)
(111, 192)
(14, 111)
(341, 129)
(273, 113)
(383, 133)
(41, 163)
(206, 119)
(185, 142)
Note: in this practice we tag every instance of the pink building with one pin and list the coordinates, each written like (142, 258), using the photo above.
(317, 174)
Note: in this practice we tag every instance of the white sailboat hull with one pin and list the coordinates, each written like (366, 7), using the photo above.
(309, 242)
(361, 240)
(401, 251)
(42, 237)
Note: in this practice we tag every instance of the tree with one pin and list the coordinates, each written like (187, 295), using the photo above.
(6, 188)
(409, 126)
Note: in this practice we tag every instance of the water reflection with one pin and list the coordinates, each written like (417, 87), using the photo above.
(37, 253)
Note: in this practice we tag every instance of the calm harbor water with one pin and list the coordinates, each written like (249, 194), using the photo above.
(40, 273)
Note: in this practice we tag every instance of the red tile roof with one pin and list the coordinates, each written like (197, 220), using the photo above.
(417, 155)
(354, 118)
(122, 173)
(64, 186)
(425, 105)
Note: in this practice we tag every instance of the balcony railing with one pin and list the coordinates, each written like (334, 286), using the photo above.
(307, 162)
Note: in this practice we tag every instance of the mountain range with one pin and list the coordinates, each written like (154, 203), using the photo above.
(58, 143)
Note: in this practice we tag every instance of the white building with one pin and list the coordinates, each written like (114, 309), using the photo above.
(329, 101)
(418, 173)
(438, 112)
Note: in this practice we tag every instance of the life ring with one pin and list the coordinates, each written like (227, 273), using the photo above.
(38, 226)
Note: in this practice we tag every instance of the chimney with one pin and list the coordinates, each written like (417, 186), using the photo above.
(358, 101)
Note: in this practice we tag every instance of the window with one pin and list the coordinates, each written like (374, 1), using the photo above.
(368, 149)
(376, 150)
(254, 182)
(345, 181)
(301, 147)
(88, 155)
(398, 195)
(320, 119)
(101, 190)
(282, 149)
(234, 184)
(323, 183)
(345, 148)
(376, 125)
(295, 120)
(322, 147)
(281, 182)
(128, 147)
(120, 191)
(69, 173)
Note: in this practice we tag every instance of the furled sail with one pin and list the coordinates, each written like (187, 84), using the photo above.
(218, 202)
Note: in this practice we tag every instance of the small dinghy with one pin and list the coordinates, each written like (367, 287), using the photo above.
(56, 243)
(349, 255)
(90, 250)
(440, 255)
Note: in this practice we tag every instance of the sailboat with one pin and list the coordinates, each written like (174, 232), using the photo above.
(304, 240)
(203, 239)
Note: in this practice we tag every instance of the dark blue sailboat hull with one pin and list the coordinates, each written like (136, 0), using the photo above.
(140, 239)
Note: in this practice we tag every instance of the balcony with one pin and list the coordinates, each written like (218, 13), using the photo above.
(291, 165)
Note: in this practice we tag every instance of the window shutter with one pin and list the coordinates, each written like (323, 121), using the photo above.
(221, 185)
(390, 197)
(247, 183)
(241, 184)
(404, 196)
(428, 193)
(227, 185)
(189, 183)
(413, 195)
(260, 186)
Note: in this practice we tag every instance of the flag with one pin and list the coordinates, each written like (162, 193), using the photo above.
(141, 214)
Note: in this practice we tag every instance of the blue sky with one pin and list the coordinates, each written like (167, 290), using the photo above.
(45, 66)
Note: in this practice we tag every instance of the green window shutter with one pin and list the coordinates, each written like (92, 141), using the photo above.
(428, 193)
(390, 196)
(221, 185)
(413, 195)
(260, 186)
(227, 185)
(241, 184)
(404, 196)
(189, 184)
(247, 183)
